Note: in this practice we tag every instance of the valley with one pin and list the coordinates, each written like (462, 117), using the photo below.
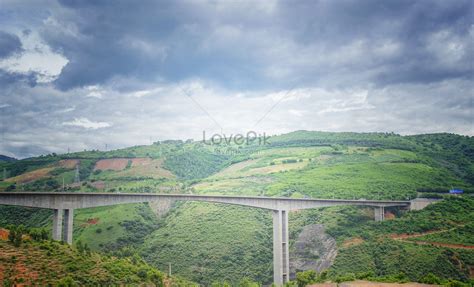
(212, 243)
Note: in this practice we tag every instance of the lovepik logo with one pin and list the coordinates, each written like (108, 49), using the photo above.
(249, 138)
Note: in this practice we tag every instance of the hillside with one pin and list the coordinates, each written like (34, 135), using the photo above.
(43, 262)
(390, 248)
(207, 243)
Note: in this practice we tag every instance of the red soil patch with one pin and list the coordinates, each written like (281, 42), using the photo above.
(139, 161)
(406, 235)
(389, 215)
(4, 234)
(112, 164)
(90, 221)
(352, 242)
(93, 221)
(145, 167)
(22, 269)
(31, 176)
(68, 163)
(98, 184)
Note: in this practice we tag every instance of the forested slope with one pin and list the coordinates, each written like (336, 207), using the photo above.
(208, 243)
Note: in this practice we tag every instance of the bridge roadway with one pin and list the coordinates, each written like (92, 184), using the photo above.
(64, 203)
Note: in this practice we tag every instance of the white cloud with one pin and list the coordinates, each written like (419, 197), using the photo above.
(297, 113)
(37, 57)
(67, 110)
(87, 124)
(94, 92)
(140, 94)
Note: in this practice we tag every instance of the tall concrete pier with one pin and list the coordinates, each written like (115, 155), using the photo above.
(281, 254)
(58, 224)
(64, 203)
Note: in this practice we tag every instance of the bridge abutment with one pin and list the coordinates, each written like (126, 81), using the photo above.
(281, 260)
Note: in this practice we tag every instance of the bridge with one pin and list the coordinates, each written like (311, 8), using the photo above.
(64, 203)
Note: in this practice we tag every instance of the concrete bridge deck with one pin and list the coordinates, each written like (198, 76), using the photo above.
(64, 203)
(74, 200)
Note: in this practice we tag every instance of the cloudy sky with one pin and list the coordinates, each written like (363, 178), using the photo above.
(83, 74)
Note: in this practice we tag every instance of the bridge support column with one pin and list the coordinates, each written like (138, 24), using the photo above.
(379, 213)
(58, 224)
(281, 260)
(68, 225)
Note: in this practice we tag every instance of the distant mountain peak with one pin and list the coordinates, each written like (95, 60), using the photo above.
(6, 158)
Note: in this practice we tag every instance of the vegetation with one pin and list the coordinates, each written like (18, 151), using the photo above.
(220, 245)
(42, 262)
(389, 258)
(189, 241)
(457, 235)
(194, 164)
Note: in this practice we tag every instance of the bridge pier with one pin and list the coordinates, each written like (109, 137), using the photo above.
(68, 225)
(281, 260)
(58, 224)
(64, 203)
(379, 213)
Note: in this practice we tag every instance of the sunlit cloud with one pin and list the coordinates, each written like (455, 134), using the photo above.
(87, 124)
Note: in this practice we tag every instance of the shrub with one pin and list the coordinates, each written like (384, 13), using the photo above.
(155, 277)
(430, 278)
(306, 277)
(67, 282)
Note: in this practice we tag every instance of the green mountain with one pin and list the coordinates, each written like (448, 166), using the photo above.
(209, 243)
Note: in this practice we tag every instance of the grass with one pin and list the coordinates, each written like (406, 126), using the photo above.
(355, 172)
(386, 174)
(108, 228)
(209, 243)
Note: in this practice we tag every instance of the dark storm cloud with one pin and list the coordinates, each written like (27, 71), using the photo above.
(238, 45)
(410, 24)
(10, 44)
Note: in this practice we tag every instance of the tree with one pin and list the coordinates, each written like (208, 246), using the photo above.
(248, 283)
(430, 278)
(306, 277)
(155, 277)
(16, 235)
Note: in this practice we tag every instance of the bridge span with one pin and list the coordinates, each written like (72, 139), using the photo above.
(64, 203)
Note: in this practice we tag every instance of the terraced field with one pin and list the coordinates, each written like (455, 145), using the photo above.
(213, 243)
